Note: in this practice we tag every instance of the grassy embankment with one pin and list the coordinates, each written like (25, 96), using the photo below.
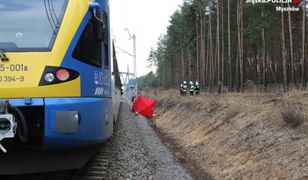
(251, 135)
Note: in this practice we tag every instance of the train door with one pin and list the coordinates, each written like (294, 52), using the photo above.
(93, 51)
(91, 56)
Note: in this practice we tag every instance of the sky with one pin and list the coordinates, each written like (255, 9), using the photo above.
(147, 19)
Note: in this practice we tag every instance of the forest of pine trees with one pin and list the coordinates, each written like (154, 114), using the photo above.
(227, 45)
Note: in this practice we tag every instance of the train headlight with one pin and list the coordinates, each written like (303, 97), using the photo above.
(55, 75)
(5, 124)
(49, 77)
(63, 74)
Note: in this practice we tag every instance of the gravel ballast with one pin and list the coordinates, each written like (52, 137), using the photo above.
(139, 153)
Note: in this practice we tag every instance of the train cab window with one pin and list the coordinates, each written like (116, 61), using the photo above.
(89, 46)
(30, 26)
(106, 40)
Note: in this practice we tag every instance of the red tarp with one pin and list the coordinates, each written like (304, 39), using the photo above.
(144, 106)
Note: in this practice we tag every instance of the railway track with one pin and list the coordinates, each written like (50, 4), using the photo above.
(97, 168)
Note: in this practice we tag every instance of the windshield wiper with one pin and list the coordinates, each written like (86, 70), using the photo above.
(3, 56)
(50, 18)
(53, 14)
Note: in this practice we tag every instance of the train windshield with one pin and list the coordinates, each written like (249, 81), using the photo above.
(30, 25)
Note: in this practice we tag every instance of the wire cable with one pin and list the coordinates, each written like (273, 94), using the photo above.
(124, 51)
(51, 14)
(49, 20)
(22, 128)
(54, 12)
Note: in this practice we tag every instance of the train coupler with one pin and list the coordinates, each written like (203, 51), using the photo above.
(8, 124)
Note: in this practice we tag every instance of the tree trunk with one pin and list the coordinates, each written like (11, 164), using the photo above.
(242, 48)
(229, 48)
(303, 47)
(273, 73)
(183, 64)
(202, 58)
(284, 54)
(171, 74)
(211, 78)
(208, 72)
(208, 50)
(240, 43)
(218, 47)
(259, 74)
(293, 80)
(189, 65)
(163, 77)
(222, 47)
(237, 77)
(263, 55)
(198, 44)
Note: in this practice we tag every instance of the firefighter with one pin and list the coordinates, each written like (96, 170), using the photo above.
(184, 88)
(197, 88)
(191, 88)
(181, 89)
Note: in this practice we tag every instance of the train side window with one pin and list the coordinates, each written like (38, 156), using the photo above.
(89, 46)
(106, 40)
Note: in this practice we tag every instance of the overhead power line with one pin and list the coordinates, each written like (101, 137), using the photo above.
(124, 51)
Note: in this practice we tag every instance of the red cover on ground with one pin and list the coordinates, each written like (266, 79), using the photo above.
(144, 106)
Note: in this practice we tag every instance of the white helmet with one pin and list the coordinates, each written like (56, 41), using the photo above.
(197, 83)
(184, 82)
(190, 82)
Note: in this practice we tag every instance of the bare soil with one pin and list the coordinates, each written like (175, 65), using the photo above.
(236, 136)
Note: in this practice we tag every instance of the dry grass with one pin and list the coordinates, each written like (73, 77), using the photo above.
(231, 113)
(239, 135)
(289, 107)
(293, 116)
(214, 104)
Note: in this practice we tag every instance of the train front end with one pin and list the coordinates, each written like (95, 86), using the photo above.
(55, 77)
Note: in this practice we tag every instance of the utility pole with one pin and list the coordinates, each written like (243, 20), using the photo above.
(133, 37)
(134, 55)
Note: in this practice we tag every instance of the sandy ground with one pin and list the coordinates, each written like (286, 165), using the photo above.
(236, 136)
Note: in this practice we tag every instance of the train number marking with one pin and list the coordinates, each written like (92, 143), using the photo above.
(100, 78)
(99, 91)
(14, 67)
(8, 79)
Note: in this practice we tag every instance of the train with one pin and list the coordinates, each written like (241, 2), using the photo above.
(60, 87)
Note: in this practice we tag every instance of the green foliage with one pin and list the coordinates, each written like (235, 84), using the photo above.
(148, 81)
(176, 54)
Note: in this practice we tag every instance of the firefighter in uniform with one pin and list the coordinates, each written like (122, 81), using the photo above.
(191, 88)
(181, 89)
(184, 88)
(197, 88)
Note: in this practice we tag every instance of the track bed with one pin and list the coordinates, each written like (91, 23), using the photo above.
(134, 152)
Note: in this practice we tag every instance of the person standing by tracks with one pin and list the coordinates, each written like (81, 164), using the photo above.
(183, 88)
(197, 88)
(191, 88)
